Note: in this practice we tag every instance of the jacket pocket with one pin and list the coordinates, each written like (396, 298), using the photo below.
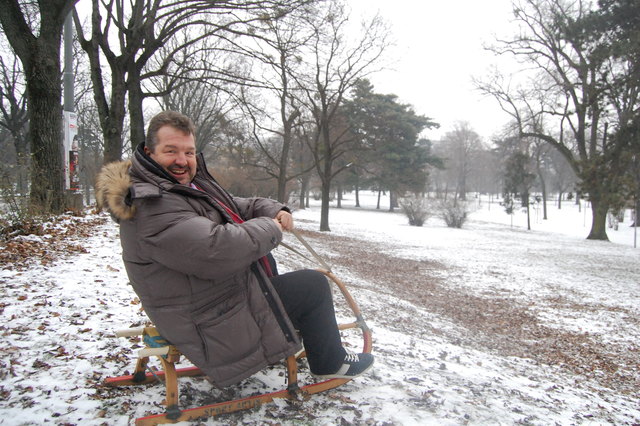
(227, 296)
(229, 337)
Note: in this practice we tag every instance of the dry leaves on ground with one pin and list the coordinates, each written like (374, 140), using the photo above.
(497, 323)
(60, 238)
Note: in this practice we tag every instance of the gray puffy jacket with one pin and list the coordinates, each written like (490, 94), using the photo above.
(195, 271)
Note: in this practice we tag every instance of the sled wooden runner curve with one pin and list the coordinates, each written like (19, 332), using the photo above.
(168, 355)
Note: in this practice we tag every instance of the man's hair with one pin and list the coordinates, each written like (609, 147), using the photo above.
(168, 118)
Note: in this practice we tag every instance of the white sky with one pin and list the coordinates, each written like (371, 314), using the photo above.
(438, 50)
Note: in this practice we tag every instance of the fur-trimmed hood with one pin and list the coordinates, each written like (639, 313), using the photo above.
(113, 190)
(120, 183)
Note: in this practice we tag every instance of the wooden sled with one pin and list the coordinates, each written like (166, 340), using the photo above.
(169, 355)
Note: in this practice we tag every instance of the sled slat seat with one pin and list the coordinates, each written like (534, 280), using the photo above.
(155, 344)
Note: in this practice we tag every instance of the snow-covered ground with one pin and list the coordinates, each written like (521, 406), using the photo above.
(432, 367)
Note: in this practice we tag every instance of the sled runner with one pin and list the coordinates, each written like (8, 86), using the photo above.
(169, 356)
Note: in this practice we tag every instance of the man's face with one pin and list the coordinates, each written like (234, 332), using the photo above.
(175, 151)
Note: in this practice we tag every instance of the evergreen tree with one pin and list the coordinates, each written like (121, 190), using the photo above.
(617, 25)
(394, 156)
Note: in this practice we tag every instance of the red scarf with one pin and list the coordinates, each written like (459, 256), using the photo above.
(237, 219)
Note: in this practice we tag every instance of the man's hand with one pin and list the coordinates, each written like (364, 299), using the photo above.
(285, 219)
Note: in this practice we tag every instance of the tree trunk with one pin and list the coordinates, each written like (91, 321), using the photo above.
(287, 124)
(283, 165)
(357, 195)
(560, 200)
(324, 209)
(324, 167)
(44, 93)
(544, 197)
(599, 211)
(111, 109)
(379, 195)
(326, 176)
(304, 187)
(112, 113)
(282, 186)
(136, 115)
(112, 142)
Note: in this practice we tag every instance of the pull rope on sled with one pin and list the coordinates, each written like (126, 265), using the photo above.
(326, 270)
(360, 323)
(318, 258)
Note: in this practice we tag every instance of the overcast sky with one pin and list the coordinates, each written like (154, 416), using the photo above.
(438, 49)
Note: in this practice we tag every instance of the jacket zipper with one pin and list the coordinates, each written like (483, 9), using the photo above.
(288, 334)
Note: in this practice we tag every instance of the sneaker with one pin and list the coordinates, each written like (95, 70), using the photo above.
(353, 365)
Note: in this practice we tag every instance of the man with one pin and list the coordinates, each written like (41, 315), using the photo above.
(197, 258)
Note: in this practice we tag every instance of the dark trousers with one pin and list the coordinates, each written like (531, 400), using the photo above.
(306, 297)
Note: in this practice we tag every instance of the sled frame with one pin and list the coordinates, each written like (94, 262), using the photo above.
(169, 355)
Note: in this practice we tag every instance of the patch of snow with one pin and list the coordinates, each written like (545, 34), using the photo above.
(58, 320)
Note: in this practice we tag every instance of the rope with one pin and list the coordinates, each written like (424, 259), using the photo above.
(308, 247)
(153, 373)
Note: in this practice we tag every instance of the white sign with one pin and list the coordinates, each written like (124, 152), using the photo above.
(70, 121)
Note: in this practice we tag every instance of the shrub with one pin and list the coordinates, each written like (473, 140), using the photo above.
(416, 210)
(17, 216)
(454, 213)
(243, 182)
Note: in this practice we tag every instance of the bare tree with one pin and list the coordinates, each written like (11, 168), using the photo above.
(13, 107)
(271, 106)
(336, 61)
(91, 147)
(303, 162)
(187, 89)
(569, 94)
(140, 28)
(460, 147)
(34, 31)
(540, 153)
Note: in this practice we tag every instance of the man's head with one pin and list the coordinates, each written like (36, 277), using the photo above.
(171, 143)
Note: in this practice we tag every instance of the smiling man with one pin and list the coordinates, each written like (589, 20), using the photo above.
(171, 143)
(198, 258)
